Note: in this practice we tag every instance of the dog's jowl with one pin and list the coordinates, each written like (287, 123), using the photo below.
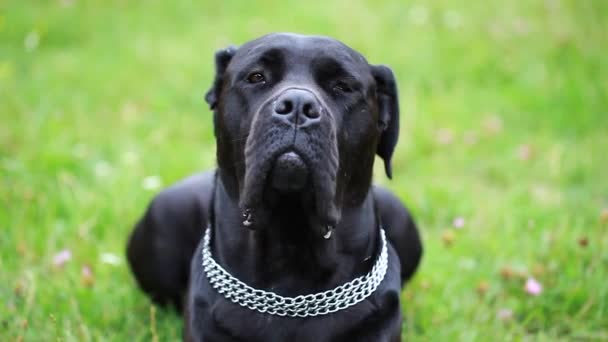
(287, 240)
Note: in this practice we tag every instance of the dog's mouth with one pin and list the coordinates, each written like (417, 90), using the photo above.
(289, 174)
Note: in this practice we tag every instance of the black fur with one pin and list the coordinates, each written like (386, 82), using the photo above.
(283, 249)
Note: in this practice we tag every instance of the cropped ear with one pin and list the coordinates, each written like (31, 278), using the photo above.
(388, 110)
(222, 59)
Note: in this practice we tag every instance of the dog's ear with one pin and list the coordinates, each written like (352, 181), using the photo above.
(388, 114)
(222, 59)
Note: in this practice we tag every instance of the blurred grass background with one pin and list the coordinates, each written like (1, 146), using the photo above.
(502, 156)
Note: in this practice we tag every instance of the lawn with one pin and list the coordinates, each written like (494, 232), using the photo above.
(503, 154)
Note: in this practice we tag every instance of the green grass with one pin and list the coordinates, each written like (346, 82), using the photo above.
(504, 123)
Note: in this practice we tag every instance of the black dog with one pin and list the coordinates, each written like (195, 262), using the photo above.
(291, 209)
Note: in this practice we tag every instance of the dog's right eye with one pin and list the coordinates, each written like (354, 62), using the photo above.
(343, 87)
(255, 77)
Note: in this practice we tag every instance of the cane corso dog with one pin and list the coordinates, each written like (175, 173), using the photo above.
(287, 240)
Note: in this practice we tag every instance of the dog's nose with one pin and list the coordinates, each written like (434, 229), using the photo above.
(298, 106)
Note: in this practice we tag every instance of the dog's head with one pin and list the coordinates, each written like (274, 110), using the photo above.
(300, 118)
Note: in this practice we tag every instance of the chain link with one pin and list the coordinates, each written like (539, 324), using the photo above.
(315, 304)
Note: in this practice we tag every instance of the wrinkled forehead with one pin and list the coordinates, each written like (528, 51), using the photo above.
(297, 50)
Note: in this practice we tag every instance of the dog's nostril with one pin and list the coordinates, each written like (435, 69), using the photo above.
(310, 110)
(298, 106)
(283, 107)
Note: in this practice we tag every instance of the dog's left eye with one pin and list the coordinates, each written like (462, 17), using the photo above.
(342, 87)
(255, 77)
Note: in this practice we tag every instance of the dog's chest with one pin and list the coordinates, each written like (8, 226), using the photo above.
(375, 319)
(241, 324)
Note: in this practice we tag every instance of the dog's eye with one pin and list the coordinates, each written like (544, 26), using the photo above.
(255, 77)
(342, 87)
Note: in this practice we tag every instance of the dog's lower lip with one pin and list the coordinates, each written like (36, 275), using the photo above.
(290, 154)
(290, 172)
(291, 159)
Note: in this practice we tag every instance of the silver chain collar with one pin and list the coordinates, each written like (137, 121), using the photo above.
(310, 305)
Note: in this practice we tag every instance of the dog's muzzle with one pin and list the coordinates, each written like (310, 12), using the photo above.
(292, 149)
(300, 109)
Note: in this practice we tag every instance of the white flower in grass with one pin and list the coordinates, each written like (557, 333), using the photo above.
(130, 157)
(505, 314)
(31, 41)
(151, 183)
(86, 276)
(62, 257)
(110, 259)
(467, 263)
(419, 15)
(103, 168)
(525, 152)
(533, 287)
(445, 136)
(458, 222)
(493, 124)
(80, 151)
(452, 19)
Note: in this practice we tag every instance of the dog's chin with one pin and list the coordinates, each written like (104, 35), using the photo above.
(290, 174)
